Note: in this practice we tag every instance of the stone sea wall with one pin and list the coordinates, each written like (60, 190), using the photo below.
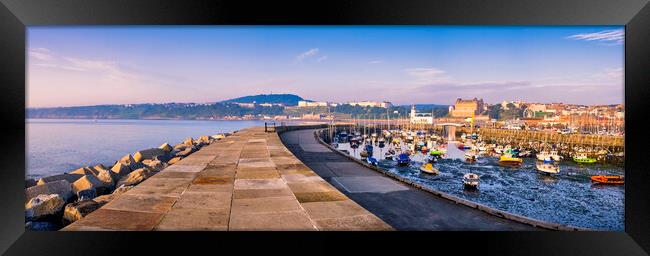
(55, 201)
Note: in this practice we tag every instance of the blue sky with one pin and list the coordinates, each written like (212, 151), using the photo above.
(71, 66)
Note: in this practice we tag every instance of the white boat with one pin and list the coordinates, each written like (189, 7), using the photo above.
(544, 156)
(555, 155)
(471, 180)
(549, 156)
(548, 167)
(470, 156)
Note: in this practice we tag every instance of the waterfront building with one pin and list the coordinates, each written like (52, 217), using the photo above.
(304, 103)
(467, 108)
(381, 104)
(271, 104)
(245, 105)
(420, 118)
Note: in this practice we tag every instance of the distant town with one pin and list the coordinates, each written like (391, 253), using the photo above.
(560, 117)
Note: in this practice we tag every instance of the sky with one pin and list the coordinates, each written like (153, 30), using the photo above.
(93, 65)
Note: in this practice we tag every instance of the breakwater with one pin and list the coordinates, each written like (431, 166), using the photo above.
(55, 201)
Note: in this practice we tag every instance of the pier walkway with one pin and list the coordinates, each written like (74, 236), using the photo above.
(400, 205)
(247, 181)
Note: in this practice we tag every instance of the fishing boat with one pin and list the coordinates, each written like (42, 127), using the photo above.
(403, 159)
(555, 155)
(548, 167)
(544, 156)
(509, 159)
(609, 179)
(436, 152)
(582, 158)
(471, 180)
(428, 168)
(548, 156)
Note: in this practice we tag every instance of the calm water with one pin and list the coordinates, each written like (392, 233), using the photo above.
(55, 146)
(568, 198)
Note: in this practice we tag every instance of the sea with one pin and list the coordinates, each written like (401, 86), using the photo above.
(55, 146)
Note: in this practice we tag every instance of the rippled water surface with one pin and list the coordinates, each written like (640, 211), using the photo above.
(57, 146)
(568, 197)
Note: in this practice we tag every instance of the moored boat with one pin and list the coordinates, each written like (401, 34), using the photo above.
(372, 161)
(471, 180)
(403, 159)
(428, 168)
(548, 167)
(582, 158)
(508, 158)
(609, 179)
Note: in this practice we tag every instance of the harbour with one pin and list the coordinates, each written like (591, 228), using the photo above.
(536, 186)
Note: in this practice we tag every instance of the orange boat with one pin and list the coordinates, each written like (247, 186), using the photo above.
(604, 179)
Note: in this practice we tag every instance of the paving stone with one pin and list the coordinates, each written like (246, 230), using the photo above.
(307, 197)
(259, 184)
(210, 188)
(179, 219)
(170, 174)
(258, 175)
(204, 200)
(321, 186)
(184, 168)
(193, 159)
(161, 186)
(284, 221)
(295, 178)
(208, 180)
(333, 209)
(264, 205)
(141, 203)
(116, 220)
(260, 193)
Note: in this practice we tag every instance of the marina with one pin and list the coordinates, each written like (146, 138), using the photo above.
(539, 185)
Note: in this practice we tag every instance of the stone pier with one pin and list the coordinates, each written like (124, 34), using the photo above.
(247, 181)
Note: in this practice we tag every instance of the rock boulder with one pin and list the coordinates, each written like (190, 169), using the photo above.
(77, 210)
(89, 182)
(44, 205)
(60, 187)
(174, 160)
(66, 176)
(166, 147)
(135, 177)
(147, 154)
(120, 170)
(84, 171)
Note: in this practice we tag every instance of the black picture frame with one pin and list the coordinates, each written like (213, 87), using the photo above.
(15, 15)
